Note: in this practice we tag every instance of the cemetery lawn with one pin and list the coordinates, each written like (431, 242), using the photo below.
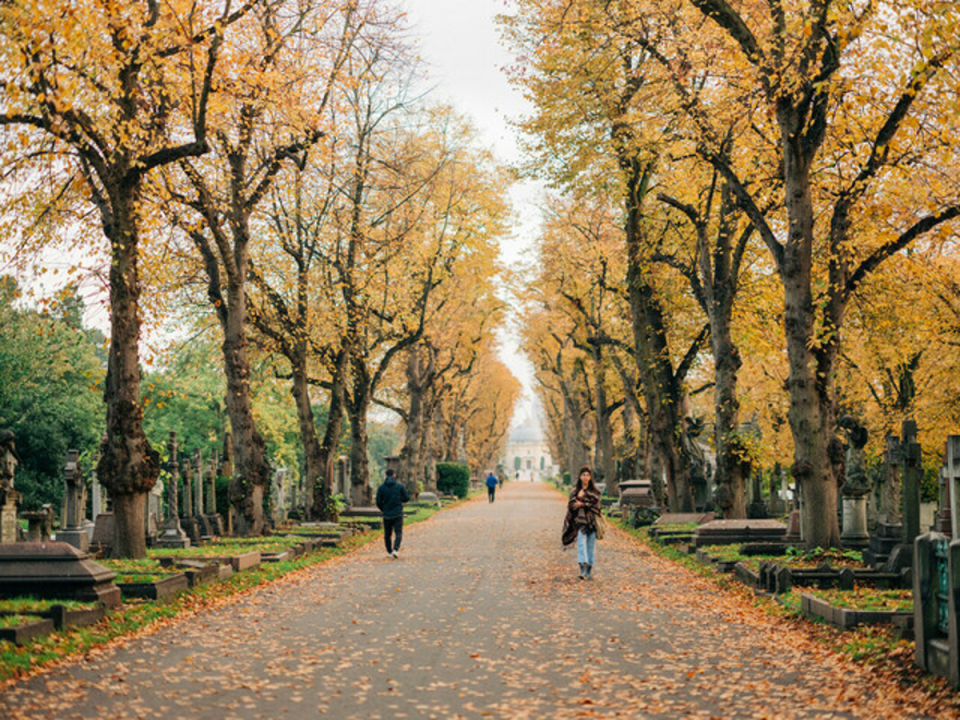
(795, 557)
(864, 598)
(143, 616)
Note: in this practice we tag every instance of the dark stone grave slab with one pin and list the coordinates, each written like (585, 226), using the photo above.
(669, 518)
(728, 532)
(162, 589)
(55, 570)
(361, 512)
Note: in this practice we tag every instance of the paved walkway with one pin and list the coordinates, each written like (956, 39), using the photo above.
(481, 616)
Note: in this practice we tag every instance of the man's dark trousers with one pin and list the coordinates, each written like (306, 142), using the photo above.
(491, 492)
(392, 526)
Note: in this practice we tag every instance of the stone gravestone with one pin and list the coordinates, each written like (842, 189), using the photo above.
(756, 508)
(212, 520)
(152, 518)
(9, 498)
(173, 535)
(55, 570)
(936, 605)
(902, 554)
(198, 484)
(890, 528)
(188, 520)
(855, 485)
(951, 469)
(74, 502)
(942, 522)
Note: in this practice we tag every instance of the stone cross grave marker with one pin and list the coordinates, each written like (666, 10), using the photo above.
(198, 482)
(912, 474)
(74, 502)
(173, 534)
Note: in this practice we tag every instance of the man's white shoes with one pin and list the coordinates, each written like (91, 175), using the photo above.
(394, 554)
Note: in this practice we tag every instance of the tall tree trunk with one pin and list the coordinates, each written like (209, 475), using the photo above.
(313, 459)
(573, 433)
(659, 383)
(411, 457)
(322, 509)
(359, 404)
(129, 466)
(251, 474)
(607, 461)
(811, 412)
(733, 463)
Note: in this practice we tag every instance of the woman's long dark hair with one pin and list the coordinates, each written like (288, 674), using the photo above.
(591, 483)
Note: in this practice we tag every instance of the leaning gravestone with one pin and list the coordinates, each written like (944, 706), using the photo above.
(55, 570)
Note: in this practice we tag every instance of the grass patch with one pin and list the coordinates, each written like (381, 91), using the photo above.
(865, 598)
(11, 621)
(36, 606)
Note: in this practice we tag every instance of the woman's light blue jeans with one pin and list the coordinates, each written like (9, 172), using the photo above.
(586, 547)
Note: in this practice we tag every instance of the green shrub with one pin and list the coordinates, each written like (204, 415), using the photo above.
(453, 478)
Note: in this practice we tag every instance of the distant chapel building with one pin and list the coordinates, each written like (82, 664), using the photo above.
(527, 455)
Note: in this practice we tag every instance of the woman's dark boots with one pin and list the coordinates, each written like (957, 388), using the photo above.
(588, 571)
(583, 571)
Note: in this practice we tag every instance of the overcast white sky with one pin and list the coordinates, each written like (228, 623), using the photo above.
(460, 43)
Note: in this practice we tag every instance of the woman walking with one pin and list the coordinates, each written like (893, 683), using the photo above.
(580, 525)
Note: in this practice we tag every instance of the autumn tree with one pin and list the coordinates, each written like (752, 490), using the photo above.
(105, 93)
(273, 110)
(598, 126)
(853, 116)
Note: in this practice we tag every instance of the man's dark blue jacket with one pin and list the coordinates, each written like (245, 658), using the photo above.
(390, 498)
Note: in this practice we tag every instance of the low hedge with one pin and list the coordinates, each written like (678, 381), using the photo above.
(453, 479)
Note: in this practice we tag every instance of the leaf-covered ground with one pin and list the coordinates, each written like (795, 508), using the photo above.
(481, 616)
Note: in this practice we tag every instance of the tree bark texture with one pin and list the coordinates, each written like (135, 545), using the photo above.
(129, 466)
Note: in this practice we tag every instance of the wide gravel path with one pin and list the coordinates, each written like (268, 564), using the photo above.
(481, 616)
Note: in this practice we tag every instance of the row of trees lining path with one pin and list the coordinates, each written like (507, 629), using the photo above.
(754, 201)
(267, 166)
(482, 614)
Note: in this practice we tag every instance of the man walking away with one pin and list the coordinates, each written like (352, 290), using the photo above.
(492, 483)
(391, 496)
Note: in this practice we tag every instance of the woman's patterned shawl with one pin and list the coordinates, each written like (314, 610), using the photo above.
(582, 518)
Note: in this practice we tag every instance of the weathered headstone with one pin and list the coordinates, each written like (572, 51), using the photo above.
(198, 482)
(855, 486)
(951, 466)
(9, 497)
(39, 524)
(936, 605)
(74, 501)
(912, 476)
(756, 508)
(55, 570)
(942, 522)
(173, 534)
(890, 528)
(210, 508)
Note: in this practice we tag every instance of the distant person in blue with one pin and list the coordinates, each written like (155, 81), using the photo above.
(391, 496)
(492, 483)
